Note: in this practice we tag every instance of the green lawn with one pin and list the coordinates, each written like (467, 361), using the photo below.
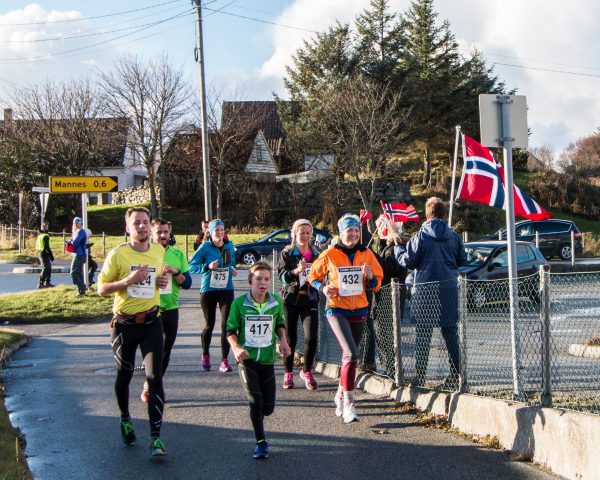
(12, 456)
(53, 305)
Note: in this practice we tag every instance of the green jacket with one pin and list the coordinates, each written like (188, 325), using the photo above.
(256, 326)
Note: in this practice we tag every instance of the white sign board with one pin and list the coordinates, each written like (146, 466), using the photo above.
(490, 120)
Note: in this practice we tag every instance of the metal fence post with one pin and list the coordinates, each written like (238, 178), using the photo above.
(397, 330)
(274, 256)
(104, 244)
(572, 247)
(462, 331)
(186, 246)
(546, 396)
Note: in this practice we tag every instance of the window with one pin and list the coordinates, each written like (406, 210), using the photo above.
(523, 252)
(552, 227)
(281, 237)
(501, 259)
(524, 230)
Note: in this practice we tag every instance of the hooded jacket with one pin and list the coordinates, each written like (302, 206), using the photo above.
(435, 253)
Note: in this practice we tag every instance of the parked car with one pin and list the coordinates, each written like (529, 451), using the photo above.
(554, 236)
(488, 260)
(249, 253)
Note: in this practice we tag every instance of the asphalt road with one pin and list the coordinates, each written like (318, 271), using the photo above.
(59, 392)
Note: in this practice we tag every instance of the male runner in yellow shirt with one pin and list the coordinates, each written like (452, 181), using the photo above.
(133, 272)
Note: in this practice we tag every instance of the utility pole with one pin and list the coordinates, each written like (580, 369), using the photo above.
(204, 128)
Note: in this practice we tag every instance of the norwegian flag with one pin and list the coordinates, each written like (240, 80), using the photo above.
(399, 212)
(364, 216)
(482, 181)
(382, 224)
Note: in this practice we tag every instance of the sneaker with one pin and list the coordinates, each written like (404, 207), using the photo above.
(156, 448)
(261, 450)
(127, 433)
(288, 380)
(309, 379)
(41, 286)
(349, 414)
(50, 285)
(205, 363)
(145, 393)
(339, 404)
(225, 367)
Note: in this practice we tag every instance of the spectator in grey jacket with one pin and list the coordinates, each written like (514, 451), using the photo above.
(435, 253)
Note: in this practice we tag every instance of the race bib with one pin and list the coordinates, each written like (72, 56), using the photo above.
(219, 278)
(144, 289)
(169, 288)
(258, 331)
(351, 281)
(303, 277)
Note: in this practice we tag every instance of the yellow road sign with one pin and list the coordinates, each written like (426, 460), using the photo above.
(83, 184)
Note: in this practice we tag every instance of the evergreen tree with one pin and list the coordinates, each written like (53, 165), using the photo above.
(435, 75)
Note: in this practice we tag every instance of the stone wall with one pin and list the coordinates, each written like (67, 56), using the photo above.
(134, 195)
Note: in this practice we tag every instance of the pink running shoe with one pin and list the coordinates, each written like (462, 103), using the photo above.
(309, 379)
(288, 380)
(205, 363)
(225, 367)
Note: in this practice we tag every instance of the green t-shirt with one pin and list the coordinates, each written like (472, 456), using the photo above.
(175, 258)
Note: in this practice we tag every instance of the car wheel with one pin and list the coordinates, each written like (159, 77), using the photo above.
(249, 258)
(478, 298)
(565, 251)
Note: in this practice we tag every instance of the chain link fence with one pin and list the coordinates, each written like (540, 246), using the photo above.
(549, 357)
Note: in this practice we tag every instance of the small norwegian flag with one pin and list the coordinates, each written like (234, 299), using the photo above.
(482, 181)
(364, 216)
(399, 212)
(382, 224)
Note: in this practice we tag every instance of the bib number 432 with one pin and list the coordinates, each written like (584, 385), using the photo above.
(351, 281)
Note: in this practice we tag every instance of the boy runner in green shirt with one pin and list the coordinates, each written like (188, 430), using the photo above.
(254, 323)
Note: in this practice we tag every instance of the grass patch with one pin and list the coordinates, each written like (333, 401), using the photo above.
(53, 305)
(12, 445)
(15, 257)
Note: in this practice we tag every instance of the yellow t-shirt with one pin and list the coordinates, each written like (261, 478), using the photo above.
(120, 262)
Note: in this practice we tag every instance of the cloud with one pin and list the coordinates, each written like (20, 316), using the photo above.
(533, 34)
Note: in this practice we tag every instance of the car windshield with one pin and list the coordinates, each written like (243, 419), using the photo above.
(477, 254)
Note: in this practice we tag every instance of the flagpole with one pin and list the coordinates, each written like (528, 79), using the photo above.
(453, 176)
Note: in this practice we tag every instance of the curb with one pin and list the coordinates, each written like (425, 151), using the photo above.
(587, 351)
(8, 351)
(39, 270)
(529, 432)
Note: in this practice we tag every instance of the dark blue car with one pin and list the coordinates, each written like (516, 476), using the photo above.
(250, 252)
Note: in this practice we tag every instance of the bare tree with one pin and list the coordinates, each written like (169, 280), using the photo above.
(363, 124)
(543, 158)
(153, 96)
(56, 128)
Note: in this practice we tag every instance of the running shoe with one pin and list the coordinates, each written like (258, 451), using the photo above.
(127, 433)
(206, 363)
(261, 450)
(339, 404)
(145, 393)
(157, 448)
(288, 380)
(50, 285)
(41, 286)
(309, 379)
(225, 367)
(349, 414)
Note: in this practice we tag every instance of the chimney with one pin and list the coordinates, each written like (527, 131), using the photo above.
(8, 115)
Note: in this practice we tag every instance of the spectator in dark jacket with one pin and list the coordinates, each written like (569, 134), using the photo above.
(435, 253)
(79, 241)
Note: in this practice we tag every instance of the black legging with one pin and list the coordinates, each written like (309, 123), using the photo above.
(310, 321)
(208, 302)
(125, 340)
(170, 319)
(259, 384)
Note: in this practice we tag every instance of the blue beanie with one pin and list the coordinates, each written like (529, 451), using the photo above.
(348, 220)
(212, 225)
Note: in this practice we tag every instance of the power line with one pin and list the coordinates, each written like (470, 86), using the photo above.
(261, 21)
(541, 61)
(83, 35)
(49, 55)
(548, 70)
(89, 18)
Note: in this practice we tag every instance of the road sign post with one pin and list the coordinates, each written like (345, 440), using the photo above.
(503, 123)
